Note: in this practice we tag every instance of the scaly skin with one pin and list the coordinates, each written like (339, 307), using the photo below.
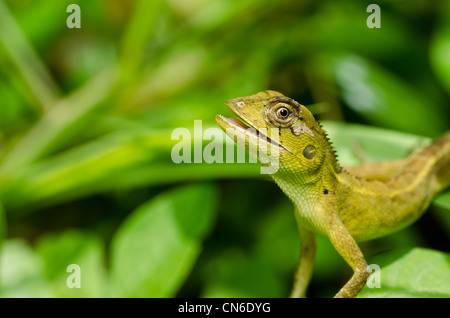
(345, 204)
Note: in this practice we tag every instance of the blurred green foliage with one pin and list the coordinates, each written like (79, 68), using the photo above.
(86, 117)
(411, 273)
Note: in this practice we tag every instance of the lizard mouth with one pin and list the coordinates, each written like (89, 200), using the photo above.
(237, 124)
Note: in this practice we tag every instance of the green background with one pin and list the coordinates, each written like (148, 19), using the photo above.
(86, 117)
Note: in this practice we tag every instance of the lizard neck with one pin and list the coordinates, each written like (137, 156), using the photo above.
(306, 192)
(307, 183)
(304, 187)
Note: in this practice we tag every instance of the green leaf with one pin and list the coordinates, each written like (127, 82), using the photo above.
(382, 98)
(441, 210)
(21, 271)
(155, 248)
(443, 200)
(119, 161)
(411, 273)
(58, 251)
(377, 143)
(234, 274)
(277, 234)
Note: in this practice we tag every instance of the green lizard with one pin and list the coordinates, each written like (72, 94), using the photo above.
(345, 204)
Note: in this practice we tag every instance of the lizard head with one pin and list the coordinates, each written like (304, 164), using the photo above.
(283, 124)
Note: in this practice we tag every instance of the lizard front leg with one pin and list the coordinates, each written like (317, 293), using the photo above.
(305, 264)
(346, 246)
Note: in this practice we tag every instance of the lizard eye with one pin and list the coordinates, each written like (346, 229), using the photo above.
(283, 112)
(279, 114)
(309, 152)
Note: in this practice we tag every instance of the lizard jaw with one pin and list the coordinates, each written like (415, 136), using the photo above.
(235, 123)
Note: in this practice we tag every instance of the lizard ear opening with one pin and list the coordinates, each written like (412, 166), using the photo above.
(309, 152)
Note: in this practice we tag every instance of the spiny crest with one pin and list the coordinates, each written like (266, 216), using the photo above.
(330, 149)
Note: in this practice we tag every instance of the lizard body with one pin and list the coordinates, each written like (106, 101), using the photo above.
(345, 204)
